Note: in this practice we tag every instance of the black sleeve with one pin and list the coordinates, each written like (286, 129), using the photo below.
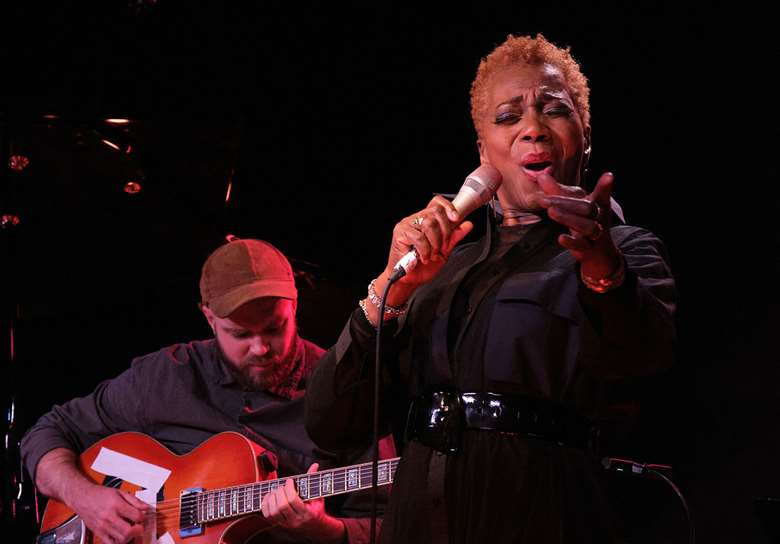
(339, 398)
(631, 329)
(115, 405)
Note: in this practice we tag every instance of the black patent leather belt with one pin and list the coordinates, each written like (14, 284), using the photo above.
(437, 419)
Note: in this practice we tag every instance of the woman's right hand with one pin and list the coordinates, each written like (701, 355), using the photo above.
(433, 232)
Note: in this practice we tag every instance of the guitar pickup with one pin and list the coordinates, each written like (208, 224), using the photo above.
(189, 524)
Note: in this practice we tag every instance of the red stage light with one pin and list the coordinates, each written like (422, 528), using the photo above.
(132, 187)
(18, 162)
(9, 220)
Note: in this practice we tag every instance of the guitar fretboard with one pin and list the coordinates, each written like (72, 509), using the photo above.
(234, 501)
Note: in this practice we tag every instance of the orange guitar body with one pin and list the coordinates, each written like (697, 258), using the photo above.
(227, 459)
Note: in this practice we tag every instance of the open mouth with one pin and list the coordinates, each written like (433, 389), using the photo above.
(533, 170)
(537, 166)
(535, 163)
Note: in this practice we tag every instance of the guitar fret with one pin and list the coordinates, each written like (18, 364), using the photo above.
(264, 489)
(303, 487)
(353, 479)
(316, 492)
(326, 483)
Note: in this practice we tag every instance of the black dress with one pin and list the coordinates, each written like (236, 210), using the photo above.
(507, 314)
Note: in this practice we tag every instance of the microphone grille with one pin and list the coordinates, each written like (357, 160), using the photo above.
(485, 181)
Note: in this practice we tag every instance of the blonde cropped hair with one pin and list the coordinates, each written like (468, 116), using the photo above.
(524, 49)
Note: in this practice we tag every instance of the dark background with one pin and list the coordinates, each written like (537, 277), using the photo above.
(332, 124)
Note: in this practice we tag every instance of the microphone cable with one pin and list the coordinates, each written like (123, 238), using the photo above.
(654, 471)
(377, 369)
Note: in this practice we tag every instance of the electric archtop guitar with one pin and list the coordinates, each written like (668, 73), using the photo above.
(211, 495)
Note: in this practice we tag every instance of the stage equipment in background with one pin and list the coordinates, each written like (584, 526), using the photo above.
(656, 472)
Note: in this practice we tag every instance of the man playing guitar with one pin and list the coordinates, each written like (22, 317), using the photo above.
(250, 378)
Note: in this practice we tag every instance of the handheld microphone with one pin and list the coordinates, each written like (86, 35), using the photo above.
(477, 190)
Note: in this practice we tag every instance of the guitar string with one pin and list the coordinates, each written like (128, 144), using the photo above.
(174, 511)
(173, 514)
(342, 477)
(245, 495)
(338, 478)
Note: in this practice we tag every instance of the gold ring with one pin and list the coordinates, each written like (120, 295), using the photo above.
(597, 232)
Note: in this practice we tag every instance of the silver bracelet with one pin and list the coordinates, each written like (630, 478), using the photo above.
(362, 304)
(602, 285)
(394, 311)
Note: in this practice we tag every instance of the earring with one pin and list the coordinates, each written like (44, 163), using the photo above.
(585, 162)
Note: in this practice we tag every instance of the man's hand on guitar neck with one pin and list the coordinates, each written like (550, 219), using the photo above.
(114, 516)
(284, 508)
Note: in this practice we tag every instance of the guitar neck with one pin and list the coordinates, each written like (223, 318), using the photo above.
(217, 504)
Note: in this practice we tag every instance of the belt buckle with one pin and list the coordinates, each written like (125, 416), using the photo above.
(488, 411)
(436, 420)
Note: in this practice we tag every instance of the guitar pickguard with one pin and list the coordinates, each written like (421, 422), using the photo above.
(71, 532)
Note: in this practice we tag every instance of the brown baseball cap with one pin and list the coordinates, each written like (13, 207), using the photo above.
(243, 270)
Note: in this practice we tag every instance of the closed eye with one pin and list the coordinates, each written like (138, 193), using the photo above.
(507, 118)
(557, 111)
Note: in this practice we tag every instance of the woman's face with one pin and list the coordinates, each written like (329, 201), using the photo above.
(531, 126)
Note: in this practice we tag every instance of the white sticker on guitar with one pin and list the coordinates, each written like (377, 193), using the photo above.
(130, 469)
(143, 474)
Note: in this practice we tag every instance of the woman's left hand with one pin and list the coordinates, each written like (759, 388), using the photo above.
(587, 217)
